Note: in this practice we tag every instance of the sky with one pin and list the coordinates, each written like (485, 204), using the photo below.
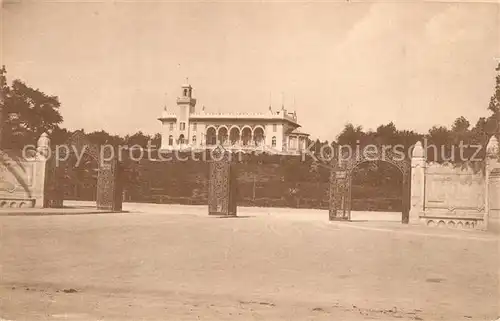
(115, 64)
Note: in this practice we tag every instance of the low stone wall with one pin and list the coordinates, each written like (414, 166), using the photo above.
(444, 195)
(23, 178)
(22, 181)
(494, 200)
(453, 197)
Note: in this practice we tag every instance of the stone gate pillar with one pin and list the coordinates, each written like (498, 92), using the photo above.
(221, 185)
(417, 183)
(492, 186)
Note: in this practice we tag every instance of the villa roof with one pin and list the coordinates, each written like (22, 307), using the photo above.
(298, 132)
(235, 116)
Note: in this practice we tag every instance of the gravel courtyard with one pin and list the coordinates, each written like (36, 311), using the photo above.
(176, 263)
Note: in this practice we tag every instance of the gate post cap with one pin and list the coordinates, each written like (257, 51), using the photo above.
(492, 147)
(418, 150)
(43, 145)
(43, 141)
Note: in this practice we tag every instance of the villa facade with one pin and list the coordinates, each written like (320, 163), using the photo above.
(187, 129)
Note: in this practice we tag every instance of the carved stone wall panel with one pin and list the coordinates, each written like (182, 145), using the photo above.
(16, 182)
(8, 182)
(455, 223)
(16, 203)
(494, 191)
(454, 192)
(494, 200)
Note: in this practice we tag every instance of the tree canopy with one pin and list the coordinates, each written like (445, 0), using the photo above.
(28, 113)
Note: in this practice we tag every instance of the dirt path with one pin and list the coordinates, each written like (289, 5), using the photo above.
(264, 267)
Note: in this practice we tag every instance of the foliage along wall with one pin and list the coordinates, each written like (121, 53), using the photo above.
(263, 180)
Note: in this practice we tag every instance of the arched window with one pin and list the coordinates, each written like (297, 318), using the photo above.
(274, 141)
(185, 92)
(181, 139)
(170, 140)
(258, 136)
(223, 135)
(246, 136)
(211, 137)
(194, 140)
(234, 135)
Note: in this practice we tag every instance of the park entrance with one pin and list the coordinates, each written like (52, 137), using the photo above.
(81, 161)
(341, 180)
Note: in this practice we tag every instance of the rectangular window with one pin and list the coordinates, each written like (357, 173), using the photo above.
(194, 140)
(194, 127)
(182, 126)
(275, 128)
(171, 126)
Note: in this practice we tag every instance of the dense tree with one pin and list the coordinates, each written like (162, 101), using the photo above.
(104, 138)
(156, 140)
(447, 140)
(494, 105)
(3, 91)
(460, 125)
(28, 113)
(351, 135)
(59, 136)
(137, 139)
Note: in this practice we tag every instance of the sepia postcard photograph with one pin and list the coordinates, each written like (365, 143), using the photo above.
(240, 160)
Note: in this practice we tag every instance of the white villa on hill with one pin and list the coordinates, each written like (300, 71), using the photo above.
(274, 131)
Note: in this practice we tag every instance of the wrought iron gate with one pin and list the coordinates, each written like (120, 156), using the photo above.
(341, 181)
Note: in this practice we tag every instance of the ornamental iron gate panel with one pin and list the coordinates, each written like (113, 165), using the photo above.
(222, 185)
(109, 188)
(340, 204)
